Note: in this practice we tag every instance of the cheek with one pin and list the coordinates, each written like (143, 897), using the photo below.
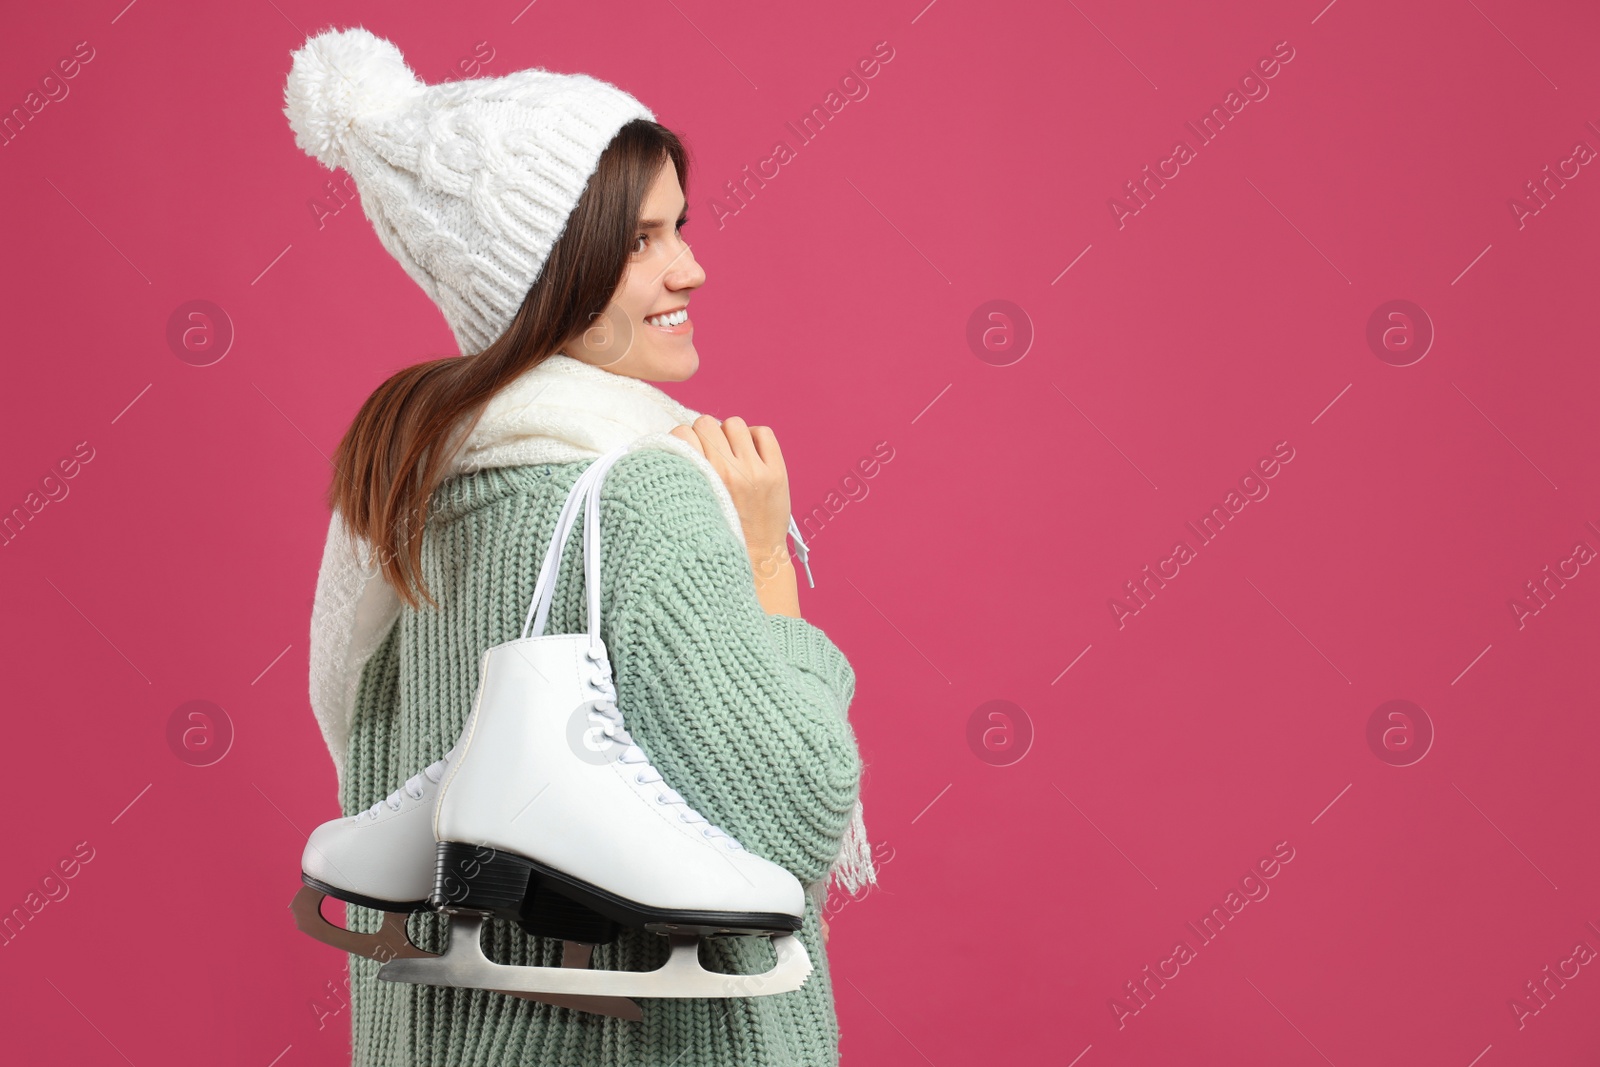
(651, 293)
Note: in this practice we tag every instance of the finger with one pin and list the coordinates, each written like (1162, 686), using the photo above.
(687, 435)
(711, 437)
(766, 445)
(719, 452)
(738, 435)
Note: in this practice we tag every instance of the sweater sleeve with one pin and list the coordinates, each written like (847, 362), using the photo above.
(744, 713)
(822, 667)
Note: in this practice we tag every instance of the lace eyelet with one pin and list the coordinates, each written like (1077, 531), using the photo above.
(639, 778)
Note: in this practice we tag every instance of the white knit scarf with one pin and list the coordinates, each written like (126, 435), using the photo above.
(560, 411)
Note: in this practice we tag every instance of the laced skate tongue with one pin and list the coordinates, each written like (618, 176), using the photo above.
(634, 754)
(670, 795)
(434, 771)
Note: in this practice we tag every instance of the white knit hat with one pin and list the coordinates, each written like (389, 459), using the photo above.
(468, 183)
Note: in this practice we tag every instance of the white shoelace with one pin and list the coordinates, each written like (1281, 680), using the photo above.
(802, 550)
(606, 710)
(412, 788)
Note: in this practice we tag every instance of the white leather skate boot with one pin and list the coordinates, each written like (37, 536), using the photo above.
(380, 858)
(384, 857)
(552, 816)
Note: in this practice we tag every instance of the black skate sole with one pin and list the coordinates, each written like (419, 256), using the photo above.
(366, 902)
(546, 902)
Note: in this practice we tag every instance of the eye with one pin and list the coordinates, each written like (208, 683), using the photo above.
(682, 222)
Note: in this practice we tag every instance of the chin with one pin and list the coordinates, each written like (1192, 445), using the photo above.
(674, 369)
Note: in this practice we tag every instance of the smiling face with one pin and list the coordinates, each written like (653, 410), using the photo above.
(631, 337)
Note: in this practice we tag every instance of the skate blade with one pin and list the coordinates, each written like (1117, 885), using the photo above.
(464, 964)
(391, 942)
(388, 943)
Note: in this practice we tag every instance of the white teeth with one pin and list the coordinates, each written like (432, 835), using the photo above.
(676, 318)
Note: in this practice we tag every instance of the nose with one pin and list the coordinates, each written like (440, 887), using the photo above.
(684, 272)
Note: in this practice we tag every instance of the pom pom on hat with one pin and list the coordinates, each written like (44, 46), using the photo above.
(340, 77)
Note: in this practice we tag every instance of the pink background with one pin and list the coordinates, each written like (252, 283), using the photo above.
(1168, 755)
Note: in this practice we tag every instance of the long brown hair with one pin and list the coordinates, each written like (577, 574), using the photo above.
(393, 456)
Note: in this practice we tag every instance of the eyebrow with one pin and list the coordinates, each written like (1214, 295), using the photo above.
(656, 224)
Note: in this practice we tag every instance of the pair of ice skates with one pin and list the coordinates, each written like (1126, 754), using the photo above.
(546, 813)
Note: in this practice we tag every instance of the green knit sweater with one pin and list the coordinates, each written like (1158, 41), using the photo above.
(742, 712)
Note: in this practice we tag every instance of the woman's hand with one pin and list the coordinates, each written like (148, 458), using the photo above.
(824, 931)
(748, 460)
(751, 466)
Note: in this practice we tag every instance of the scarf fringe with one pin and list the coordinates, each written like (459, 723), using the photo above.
(853, 870)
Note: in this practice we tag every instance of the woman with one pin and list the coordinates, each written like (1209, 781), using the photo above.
(543, 214)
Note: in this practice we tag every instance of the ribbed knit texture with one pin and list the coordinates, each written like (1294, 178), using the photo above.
(742, 713)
